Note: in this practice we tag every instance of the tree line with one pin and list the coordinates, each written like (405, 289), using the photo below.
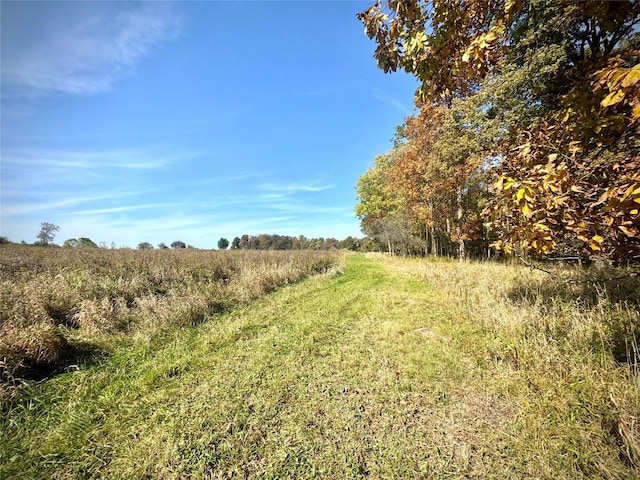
(525, 137)
(284, 242)
(264, 241)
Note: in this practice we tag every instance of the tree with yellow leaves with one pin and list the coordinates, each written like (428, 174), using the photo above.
(551, 90)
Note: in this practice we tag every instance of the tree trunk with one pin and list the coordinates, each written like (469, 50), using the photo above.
(485, 231)
(426, 240)
(434, 242)
(461, 251)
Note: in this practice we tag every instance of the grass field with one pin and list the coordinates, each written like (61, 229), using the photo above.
(395, 368)
(62, 306)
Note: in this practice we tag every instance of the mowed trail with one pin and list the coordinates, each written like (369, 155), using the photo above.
(364, 374)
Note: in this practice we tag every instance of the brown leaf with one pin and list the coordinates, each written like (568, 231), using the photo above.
(629, 232)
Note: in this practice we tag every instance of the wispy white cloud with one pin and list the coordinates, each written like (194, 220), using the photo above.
(79, 48)
(59, 182)
(121, 159)
(223, 179)
(65, 201)
(130, 220)
(290, 188)
(124, 205)
(274, 197)
(305, 208)
(121, 209)
(389, 100)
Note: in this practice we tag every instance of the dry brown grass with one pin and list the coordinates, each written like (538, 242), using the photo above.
(565, 346)
(53, 300)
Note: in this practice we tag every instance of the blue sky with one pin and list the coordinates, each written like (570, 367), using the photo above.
(131, 122)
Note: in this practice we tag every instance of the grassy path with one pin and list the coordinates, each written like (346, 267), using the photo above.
(370, 373)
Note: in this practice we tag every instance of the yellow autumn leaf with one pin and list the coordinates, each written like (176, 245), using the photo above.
(526, 210)
(491, 36)
(597, 238)
(512, 5)
(628, 193)
(520, 194)
(552, 157)
(466, 58)
(594, 246)
(508, 5)
(634, 211)
(616, 77)
(613, 98)
(632, 77)
(575, 147)
(529, 194)
(635, 113)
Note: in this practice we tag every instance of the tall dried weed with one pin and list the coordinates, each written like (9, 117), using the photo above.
(565, 345)
(51, 299)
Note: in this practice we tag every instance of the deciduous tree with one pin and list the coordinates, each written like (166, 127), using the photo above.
(47, 233)
(84, 242)
(550, 93)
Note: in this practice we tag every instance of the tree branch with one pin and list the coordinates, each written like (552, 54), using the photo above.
(588, 280)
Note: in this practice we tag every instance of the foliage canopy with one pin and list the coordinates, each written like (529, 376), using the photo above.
(528, 121)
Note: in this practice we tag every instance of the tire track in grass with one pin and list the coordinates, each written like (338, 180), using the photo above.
(332, 387)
